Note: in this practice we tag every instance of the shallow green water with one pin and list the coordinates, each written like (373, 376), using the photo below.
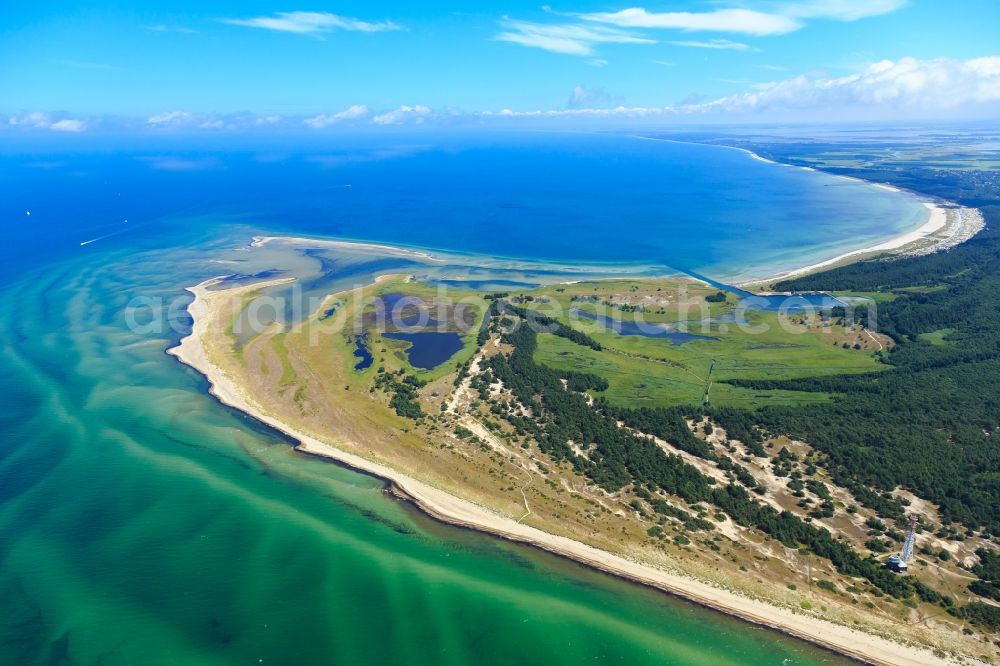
(141, 522)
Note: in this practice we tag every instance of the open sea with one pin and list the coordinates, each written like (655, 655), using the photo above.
(143, 523)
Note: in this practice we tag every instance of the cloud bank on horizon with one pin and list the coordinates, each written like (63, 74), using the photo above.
(399, 64)
(883, 90)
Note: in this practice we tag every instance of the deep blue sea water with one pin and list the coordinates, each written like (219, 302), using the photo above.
(566, 198)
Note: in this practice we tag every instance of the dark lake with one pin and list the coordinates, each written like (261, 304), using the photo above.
(362, 353)
(428, 349)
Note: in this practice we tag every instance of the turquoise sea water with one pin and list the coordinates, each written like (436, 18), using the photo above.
(142, 522)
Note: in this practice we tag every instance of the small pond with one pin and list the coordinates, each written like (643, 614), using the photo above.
(428, 349)
(644, 329)
(362, 353)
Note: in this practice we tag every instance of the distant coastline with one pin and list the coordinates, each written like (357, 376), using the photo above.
(947, 225)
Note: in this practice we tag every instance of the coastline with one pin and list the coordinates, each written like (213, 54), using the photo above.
(362, 246)
(940, 232)
(947, 226)
(549, 270)
(453, 510)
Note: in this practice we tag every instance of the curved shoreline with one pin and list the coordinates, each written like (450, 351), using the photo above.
(946, 228)
(948, 224)
(456, 511)
(904, 244)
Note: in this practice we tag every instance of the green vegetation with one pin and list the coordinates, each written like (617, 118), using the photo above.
(766, 433)
(402, 389)
(979, 613)
(988, 571)
(925, 426)
(826, 585)
(653, 372)
(667, 424)
(556, 327)
(423, 300)
(937, 338)
(919, 414)
(617, 457)
(288, 375)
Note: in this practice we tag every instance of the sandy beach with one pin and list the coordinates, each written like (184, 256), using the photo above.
(209, 313)
(542, 270)
(946, 226)
(941, 231)
(354, 246)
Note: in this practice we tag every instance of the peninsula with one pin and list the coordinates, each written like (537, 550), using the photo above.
(606, 421)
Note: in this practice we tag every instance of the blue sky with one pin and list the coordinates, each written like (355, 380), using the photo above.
(213, 63)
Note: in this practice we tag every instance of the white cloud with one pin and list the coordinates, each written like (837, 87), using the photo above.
(569, 39)
(68, 125)
(169, 118)
(583, 97)
(781, 17)
(207, 121)
(311, 23)
(355, 112)
(35, 119)
(744, 21)
(842, 10)
(904, 89)
(906, 85)
(617, 111)
(39, 120)
(417, 114)
(717, 44)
